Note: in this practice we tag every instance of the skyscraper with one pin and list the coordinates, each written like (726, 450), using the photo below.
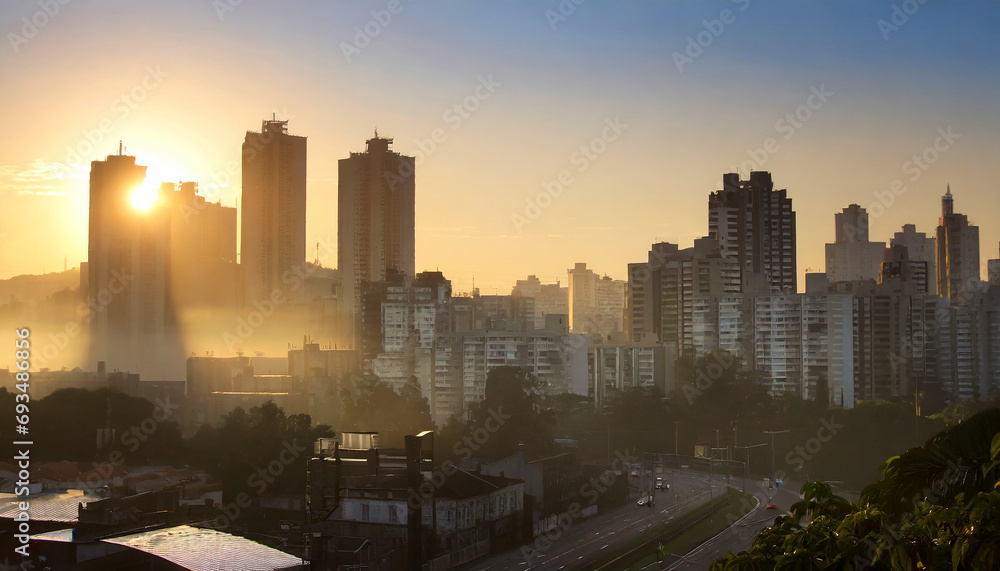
(920, 248)
(131, 313)
(273, 210)
(756, 225)
(375, 219)
(852, 256)
(957, 252)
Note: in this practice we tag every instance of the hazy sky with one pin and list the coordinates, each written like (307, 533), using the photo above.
(180, 82)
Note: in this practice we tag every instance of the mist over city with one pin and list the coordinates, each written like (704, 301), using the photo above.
(564, 284)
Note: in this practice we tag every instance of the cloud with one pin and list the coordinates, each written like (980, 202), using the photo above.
(38, 178)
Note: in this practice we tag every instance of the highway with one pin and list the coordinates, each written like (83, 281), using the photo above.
(583, 540)
(738, 537)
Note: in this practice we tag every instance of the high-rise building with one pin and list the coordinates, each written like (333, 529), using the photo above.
(202, 249)
(919, 248)
(756, 225)
(132, 320)
(852, 256)
(957, 253)
(375, 219)
(993, 271)
(596, 305)
(664, 291)
(273, 211)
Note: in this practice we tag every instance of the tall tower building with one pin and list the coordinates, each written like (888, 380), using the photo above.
(756, 225)
(131, 313)
(919, 248)
(957, 252)
(852, 257)
(273, 210)
(375, 218)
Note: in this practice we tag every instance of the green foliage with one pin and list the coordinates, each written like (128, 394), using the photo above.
(259, 451)
(512, 414)
(937, 506)
(375, 406)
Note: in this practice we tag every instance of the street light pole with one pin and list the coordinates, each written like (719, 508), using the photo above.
(747, 465)
(772, 433)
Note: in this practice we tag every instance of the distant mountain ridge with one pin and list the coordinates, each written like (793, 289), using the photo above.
(35, 288)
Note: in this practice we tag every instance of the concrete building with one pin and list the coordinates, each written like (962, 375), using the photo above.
(755, 224)
(852, 256)
(920, 248)
(411, 316)
(900, 272)
(463, 361)
(614, 369)
(549, 298)
(273, 211)
(133, 323)
(204, 274)
(957, 246)
(596, 304)
(375, 219)
(993, 271)
(664, 290)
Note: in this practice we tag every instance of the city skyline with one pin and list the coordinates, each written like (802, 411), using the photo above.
(612, 80)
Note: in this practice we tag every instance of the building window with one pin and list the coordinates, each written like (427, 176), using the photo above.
(365, 512)
(393, 516)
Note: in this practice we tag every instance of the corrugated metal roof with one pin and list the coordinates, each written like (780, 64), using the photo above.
(53, 506)
(62, 536)
(207, 550)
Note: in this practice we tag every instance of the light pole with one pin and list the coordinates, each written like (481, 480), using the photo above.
(772, 433)
(747, 465)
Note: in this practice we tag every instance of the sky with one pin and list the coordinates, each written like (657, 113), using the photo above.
(546, 132)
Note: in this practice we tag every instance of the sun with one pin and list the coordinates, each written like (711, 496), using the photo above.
(144, 196)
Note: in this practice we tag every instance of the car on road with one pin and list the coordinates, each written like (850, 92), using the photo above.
(661, 485)
(644, 501)
(771, 507)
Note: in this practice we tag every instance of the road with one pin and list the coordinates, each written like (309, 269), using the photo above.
(584, 540)
(738, 537)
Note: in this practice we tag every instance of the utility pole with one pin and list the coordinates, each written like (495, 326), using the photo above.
(747, 465)
(772, 433)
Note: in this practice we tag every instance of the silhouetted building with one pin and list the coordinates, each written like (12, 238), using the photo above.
(596, 305)
(549, 298)
(992, 271)
(919, 248)
(273, 212)
(202, 249)
(132, 319)
(375, 219)
(852, 256)
(957, 252)
(756, 225)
